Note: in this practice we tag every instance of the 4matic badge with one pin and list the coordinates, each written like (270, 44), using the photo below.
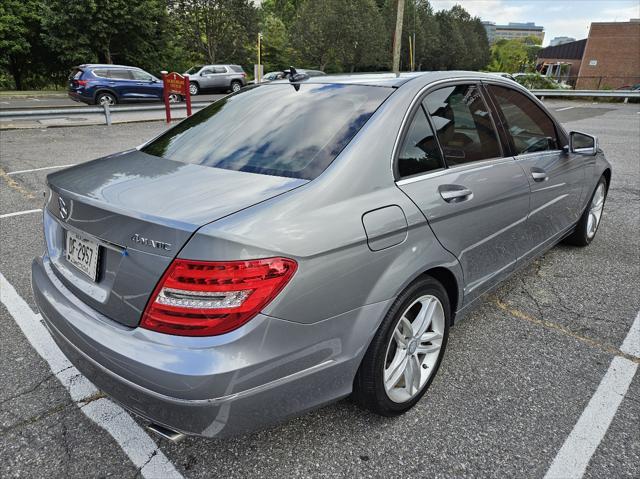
(141, 240)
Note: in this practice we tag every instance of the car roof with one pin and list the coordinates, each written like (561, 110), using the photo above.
(106, 65)
(393, 80)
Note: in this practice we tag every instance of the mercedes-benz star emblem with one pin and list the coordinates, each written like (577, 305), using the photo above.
(64, 212)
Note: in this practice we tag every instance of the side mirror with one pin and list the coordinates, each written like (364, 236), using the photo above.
(583, 144)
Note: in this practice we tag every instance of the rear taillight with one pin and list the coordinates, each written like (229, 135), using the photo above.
(202, 298)
(82, 82)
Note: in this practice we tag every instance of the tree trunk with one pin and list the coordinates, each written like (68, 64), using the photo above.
(16, 72)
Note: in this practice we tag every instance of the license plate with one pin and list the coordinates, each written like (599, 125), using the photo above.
(83, 254)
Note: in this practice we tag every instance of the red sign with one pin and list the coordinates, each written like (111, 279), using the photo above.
(178, 84)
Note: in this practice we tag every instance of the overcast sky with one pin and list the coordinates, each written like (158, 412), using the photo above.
(570, 18)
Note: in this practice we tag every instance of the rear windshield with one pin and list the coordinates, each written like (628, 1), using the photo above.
(75, 74)
(273, 129)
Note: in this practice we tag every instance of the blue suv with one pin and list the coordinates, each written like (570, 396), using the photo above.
(111, 84)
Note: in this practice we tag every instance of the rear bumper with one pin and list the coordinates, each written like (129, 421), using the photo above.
(256, 376)
(75, 96)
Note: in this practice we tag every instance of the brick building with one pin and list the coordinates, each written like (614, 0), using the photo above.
(562, 62)
(611, 56)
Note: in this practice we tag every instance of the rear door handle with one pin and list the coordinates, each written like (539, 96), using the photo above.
(455, 193)
(538, 174)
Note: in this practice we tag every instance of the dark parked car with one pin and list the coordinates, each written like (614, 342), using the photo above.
(111, 84)
(298, 242)
(218, 77)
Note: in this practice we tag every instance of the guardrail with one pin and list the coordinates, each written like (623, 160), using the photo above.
(626, 94)
(108, 111)
(105, 110)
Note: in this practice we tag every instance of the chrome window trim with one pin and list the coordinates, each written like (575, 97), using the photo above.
(457, 168)
(403, 126)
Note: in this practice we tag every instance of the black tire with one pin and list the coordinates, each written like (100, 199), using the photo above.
(106, 97)
(580, 235)
(368, 388)
(235, 86)
(194, 88)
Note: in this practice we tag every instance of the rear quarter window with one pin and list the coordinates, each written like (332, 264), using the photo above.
(121, 74)
(237, 68)
(275, 129)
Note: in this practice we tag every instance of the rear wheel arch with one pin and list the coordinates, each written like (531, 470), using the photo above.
(607, 176)
(450, 283)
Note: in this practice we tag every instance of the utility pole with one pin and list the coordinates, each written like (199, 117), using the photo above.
(258, 75)
(397, 37)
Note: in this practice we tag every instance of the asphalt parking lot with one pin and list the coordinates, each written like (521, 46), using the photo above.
(512, 398)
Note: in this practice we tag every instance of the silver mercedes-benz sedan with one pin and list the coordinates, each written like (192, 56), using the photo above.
(299, 242)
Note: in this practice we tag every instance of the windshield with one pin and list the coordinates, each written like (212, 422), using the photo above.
(193, 70)
(273, 129)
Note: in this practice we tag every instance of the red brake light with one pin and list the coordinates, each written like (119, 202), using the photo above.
(82, 82)
(203, 298)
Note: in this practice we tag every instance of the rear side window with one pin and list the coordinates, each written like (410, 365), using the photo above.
(274, 129)
(141, 76)
(219, 70)
(100, 73)
(529, 126)
(419, 152)
(463, 124)
(120, 74)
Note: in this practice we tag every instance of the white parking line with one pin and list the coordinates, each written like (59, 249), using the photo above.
(565, 108)
(18, 213)
(576, 452)
(134, 441)
(39, 169)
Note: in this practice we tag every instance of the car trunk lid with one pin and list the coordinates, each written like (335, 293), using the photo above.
(140, 210)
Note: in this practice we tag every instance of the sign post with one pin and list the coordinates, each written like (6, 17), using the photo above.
(175, 83)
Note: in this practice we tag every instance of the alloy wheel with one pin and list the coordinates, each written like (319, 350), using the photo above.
(413, 349)
(595, 211)
(193, 89)
(235, 87)
(106, 100)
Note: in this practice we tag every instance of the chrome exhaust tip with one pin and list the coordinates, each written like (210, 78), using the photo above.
(173, 436)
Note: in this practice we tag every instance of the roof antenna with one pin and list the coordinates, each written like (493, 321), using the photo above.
(294, 76)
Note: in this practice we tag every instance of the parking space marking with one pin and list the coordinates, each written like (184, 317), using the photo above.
(565, 108)
(576, 452)
(39, 169)
(18, 213)
(134, 441)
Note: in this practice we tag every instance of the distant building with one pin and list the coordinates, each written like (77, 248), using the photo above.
(612, 55)
(513, 31)
(560, 41)
(562, 62)
(490, 28)
(608, 58)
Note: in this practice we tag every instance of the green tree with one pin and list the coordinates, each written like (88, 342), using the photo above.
(218, 31)
(21, 48)
(513, 55)
(276, 50)
(339, 35)
(109, 31)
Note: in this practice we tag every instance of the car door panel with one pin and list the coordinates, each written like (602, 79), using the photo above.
(555, 177)
(477, 207)
(555, 197)
(480, 231)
